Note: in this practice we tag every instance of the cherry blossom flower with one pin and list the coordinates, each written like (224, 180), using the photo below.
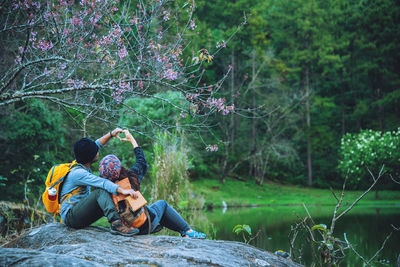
(166, 15)
(212, 148)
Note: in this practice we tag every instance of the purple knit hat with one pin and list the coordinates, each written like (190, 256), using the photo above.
(110, 167)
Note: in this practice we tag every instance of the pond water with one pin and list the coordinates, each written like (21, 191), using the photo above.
(366, 228)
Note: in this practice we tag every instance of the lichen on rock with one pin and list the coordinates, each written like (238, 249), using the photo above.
(58, 245)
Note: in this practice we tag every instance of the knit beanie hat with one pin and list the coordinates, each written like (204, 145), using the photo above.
(85, 150)
(110, 167)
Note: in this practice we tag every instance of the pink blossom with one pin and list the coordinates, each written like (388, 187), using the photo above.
(227, 110)
(193, 24)
(17, 59)
(170, 74)
(75, 83)
(166, 15)
(219, 103)
(192, 96)
(43, 45)
(76, 21)
(212, 148)
(95, 18)
(67, 31)
(122, 53)
(134, 20)
(221, 44)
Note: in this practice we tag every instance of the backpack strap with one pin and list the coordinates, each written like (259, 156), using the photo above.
(76, 191)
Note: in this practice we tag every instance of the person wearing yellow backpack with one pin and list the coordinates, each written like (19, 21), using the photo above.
(81, 206)
(161, 213)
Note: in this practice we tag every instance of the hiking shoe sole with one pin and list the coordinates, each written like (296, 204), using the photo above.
(115, 232)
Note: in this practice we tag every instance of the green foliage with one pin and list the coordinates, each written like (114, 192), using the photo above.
(140, 114)
(2, 179)
(239, 228)
(330, 248)
(32, 141)
(368, 150)
(169, 169)
(159, 109)
(150, 110)
(16, 218)
(243, 229)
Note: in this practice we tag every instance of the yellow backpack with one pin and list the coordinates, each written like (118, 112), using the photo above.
(55, 179)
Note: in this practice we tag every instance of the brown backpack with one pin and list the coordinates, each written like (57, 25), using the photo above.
(133, 212)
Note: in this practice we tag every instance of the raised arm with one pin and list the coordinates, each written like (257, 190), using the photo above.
(105, 138)
(141, 166)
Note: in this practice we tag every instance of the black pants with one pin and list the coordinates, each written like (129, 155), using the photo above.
(96, 205)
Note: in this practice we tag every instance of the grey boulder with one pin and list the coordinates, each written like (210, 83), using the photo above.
(58, 245)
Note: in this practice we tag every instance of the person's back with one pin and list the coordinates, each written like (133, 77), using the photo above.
(81, 209)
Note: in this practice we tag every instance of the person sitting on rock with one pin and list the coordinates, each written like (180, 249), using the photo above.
(83, 208)
(161, 213)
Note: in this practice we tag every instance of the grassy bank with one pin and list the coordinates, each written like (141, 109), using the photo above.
(240, 193)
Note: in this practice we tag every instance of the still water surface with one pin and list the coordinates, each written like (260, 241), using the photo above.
(366, 228)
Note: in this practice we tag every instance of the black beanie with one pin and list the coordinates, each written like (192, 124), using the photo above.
(85, 150)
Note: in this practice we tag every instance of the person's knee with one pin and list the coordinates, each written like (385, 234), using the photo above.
(100, 192)
(161, 203)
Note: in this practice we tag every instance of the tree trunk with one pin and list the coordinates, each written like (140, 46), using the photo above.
(232, 101)
(380, 111)
(342, 109)
(308, 121)
(253, 130)
(224, 165)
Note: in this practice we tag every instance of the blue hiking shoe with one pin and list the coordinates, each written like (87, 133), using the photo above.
(194, 234)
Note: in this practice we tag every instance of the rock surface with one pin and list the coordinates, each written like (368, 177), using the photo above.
(58, 245)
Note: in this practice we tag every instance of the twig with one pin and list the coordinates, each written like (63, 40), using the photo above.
(355, 251)
(395, 228)
(254, 237)
(383, 245)
(397, 182)
(333, 193)
(334, 218)
(363, 194)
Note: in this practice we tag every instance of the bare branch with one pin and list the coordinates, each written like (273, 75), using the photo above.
(397, 182)
(379, 250)
(395, 228)
(355, 251)
(333, 193)
(363, 194)
(334, 218)
(23, 66)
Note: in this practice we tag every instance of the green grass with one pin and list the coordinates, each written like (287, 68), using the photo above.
(239, 193)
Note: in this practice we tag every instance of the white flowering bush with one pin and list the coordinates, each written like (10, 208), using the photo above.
(368, 149)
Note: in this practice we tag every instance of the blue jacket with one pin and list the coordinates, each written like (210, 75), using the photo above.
(82, 176)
